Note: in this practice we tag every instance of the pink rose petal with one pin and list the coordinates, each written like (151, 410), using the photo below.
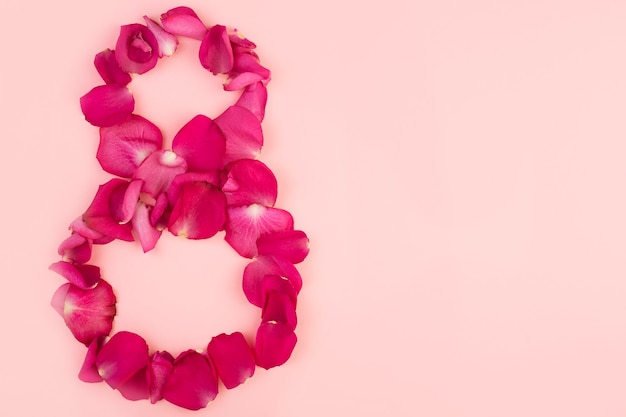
(106, 211)
(173, 192)
(232, 357)
(79, 227)
(216, 53)
(254, 98)
(121, 358)
(83, 276)
(107, 105)
(147, 234)
(244, 225)
(137, 49)
(136, 387)
(166, 41)
(158, 211)
(161, 366)
(108, 68)
(201, 143)
(199, 211)
(193, 382)
(158, 171)
(249, 181)
(185, 22)
(89, 313)
(76, 249)
(131, 197)
(255, 284)
(243, 133)
(237, 40)
(89, 372)
(246, 71)
(58, 299)
(279, 308)
(292, 245)
(276, 283)
(274, 344)
(125, 146)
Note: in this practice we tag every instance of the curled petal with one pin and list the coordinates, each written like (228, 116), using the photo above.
(121, 358)
(280, 308)
(292, 245)
(166, 41)
(76, 249)
(131, 197)
(106, 211)
(157, 215)
(201, 143)
(89, 372)
(274, 344)
(107, 105)
(246, 71)
(82, 276)
(244, 225)
(232, 357)
(185, 22)
(126, 145)
(254, 98)
(89, 313)
(147, 234)
(158, 171)
(79, 227)
(237, 40)
(256, 285)
(137, 49)
(161, 366)
(108, 68)
(199, 211)
(192, 383)
(243, 133)
(216, 52)
(58, 299)
(249, 181)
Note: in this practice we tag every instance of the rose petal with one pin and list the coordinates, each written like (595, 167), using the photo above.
(106, 211)
(83, 276)
(137, 49)
(274, 344)
(193, 383)
(121, 358)
(107, 105)
(255, 285)
(158, 171)
(201, 143)
(199, 211)
(244, 225)
(89, 313)
(131, 197)
(108, 68)
(136, 387)
(275, 283)
(185, 22)
(58, 299)
(125, 146)
(216, 53)
(254, 98)
(158, 211)
(279, 308)
(237, 81)
(75, 249)
(166, 41)
(232, 357)
(237, 40)
(292, 245)
(246, 71)
(249, 181)
(243, 133)
(147, 234)
(161, 366)
(78, 226)
(89, 372)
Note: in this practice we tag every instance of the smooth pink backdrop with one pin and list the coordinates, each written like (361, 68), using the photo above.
(458, 165)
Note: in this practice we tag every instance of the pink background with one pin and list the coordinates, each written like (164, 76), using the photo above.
(458, 165)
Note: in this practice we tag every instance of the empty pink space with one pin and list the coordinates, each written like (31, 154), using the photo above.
(457, 165)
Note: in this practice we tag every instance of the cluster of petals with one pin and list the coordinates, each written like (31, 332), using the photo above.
(209, 182)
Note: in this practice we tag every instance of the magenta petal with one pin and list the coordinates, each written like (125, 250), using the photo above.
(254, 98)
(274, 344)
(199, 211)
(83, 276)
(121, 358)
(246, 71)
(256, 285)
(237, 40)
(106, 211)
(125, 146)
(131, 197)
(292, 245)
(158, 211)
(243, 133)
(244, 225)
(107, 105)
(58, 299)
(158, 171)
(216, 53)
(89, 313)
(166, 41)
(239, 81)
(201, 143)
(249, 181)
(147, 234)
(232, 357)
(89, 372)
(161, 366)
(108, 68)
(136, 387)
(185, 22)
(193, 383)
(79, 227)
(76, 249)
(137, 49)
(280, 308)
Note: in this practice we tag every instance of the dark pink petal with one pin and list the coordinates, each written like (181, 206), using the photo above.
(137, 49)
(76, 249)
(185, 22)
(243, 133)
(216, 53)
(255, 284)
(249, 181)
(106, 211)
(107, 105)
(199, 211)
(212, 177)
(160, 206)
(83, 276)
(89, 372)
(130, 201)
(158, 171)
(193, 382)
(292, 245)
(58, 299)
(246, 71)
(279, 308)
(161, 366)
(237, 40)
(89, 313)
(166, 41)
(276, 283)
(254, 98)
(108, 68)
(121, 358)
(79, 227)
(147, 234)
(274, 344)
(244, 225)
(232, 357)
(201, 143)
(136, 387)
(125, 146)
(237, 81)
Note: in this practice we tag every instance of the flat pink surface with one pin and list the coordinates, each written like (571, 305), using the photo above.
(460, 168)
